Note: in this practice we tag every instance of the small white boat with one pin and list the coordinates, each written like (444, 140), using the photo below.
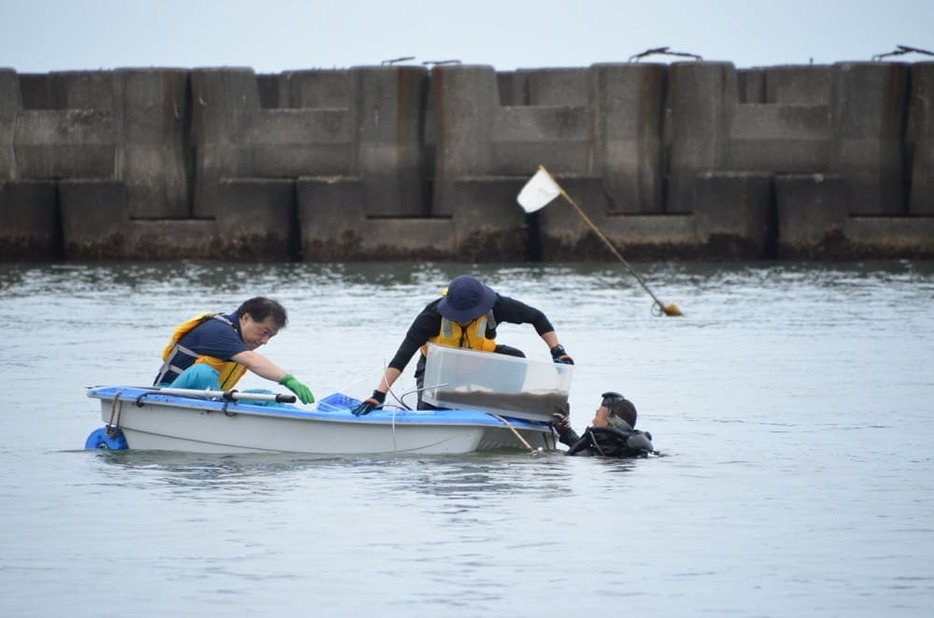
(233, 422)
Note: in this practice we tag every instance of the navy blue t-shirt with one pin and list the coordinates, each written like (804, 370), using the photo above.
(212, 337)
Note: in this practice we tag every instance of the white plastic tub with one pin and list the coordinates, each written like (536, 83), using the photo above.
(497, 383)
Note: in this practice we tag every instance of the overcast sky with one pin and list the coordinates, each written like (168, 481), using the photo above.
(38, 36)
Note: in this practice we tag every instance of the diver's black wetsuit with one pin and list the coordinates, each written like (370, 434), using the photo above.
(607, 442)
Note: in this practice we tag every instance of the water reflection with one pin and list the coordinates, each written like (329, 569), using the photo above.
(200, 476)
(486, 475)
(465, 480)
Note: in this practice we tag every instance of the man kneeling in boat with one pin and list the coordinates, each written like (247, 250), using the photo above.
(612, 432)
(212, 351)
(465, 316)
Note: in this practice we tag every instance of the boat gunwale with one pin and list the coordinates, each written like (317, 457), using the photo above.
(143, 396)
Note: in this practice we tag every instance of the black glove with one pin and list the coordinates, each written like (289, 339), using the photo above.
(561, 357)
(368, 405)
(561, 420)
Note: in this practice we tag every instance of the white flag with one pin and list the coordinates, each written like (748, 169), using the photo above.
(539, 191)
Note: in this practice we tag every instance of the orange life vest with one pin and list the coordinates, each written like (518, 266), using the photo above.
(230, 371)
(472, 336)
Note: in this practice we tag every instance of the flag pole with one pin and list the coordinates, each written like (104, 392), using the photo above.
(670, 309)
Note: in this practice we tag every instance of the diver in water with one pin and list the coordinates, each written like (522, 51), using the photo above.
(612, 432)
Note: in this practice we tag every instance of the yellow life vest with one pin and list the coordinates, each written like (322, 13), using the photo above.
(230, 371)
(473, 336)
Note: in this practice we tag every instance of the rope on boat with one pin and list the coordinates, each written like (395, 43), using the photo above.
(532, 451)
(113, 428)
(401, 398)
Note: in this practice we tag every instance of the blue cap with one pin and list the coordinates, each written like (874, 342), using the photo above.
(467, 299)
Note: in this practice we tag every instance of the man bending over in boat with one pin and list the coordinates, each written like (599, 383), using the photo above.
(213, 350)
(464, 317)
(611, 433)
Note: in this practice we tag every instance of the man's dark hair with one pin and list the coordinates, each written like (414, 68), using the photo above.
(259, 308)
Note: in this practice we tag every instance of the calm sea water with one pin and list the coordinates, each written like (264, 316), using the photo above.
(793, 404)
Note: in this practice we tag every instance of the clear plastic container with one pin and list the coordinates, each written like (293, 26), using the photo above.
(497, 383)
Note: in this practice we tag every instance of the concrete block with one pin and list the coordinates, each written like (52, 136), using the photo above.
(777, 122)
(650, 237)
(62, 90)
(186, 239)
(334, 227)
(921, 139)
(560, 138)
(331, 218)
(734, 214)
(36, 92)
(95, 220)
(465, 103)
(891, 237)
(812, 215)
(96, 226)
(627, 134)
(490, 225)
(317, 89)
(559, 87)
(295, 142)
(10, 106)
(75, 143)
(154, 163)
(268, 87)
(225, 103)
(85, 89)
(780, 138)
(750, 84)
(798, 84)
(31, 228)
(236, 138)
(565, 235)
(513, 88)
(257, 220)
(702, 98)
(388, 106)
(408, 238)
(869, 109)
(542, 124)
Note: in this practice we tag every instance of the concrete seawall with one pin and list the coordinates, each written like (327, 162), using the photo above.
(693, 160)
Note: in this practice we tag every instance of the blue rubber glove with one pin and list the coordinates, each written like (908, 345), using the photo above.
(301, 391)
(561, 357)
(368, 405)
